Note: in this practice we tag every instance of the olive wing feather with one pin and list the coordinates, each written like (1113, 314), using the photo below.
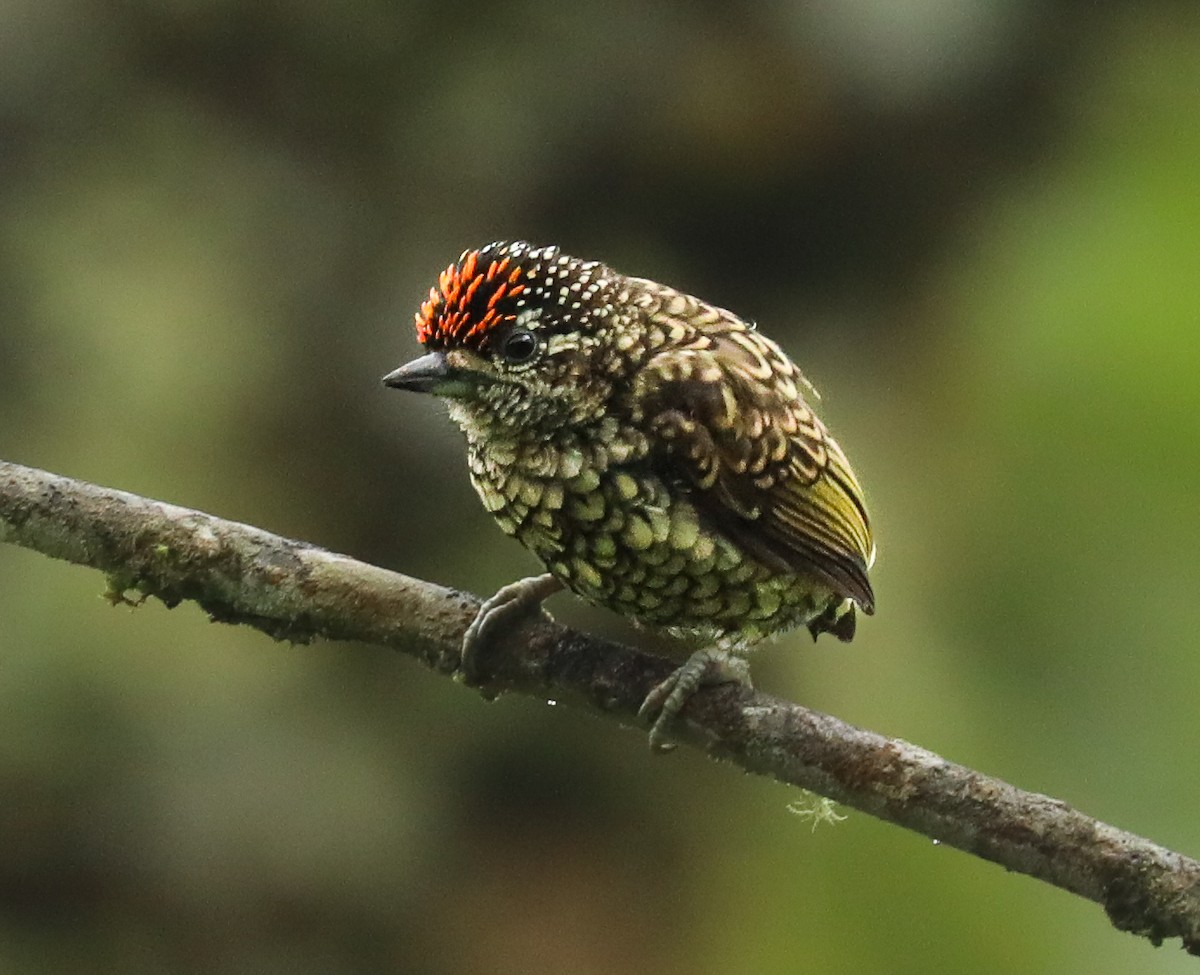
(732, 424)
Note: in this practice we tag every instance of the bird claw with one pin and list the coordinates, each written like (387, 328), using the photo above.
(702, 669)
(507, 606)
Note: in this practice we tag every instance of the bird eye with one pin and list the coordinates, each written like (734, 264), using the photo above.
(519, 346)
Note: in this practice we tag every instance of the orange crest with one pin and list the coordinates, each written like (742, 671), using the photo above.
(473, 297)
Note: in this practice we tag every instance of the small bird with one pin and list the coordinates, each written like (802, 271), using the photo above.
(654, 451)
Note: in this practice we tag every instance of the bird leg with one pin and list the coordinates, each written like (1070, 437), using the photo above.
(509, 605)
(701, 669)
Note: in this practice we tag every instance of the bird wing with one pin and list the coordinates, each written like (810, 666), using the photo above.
(729, 420)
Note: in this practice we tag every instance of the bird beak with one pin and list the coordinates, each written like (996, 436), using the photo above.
(428, 374)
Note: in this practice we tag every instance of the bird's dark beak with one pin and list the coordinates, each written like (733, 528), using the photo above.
(428, 374)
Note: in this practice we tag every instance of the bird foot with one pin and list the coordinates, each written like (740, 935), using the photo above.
(508, 606)
(703, 668)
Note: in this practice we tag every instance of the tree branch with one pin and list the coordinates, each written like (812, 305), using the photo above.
(297, 592)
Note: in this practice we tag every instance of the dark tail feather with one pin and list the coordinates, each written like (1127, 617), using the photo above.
(839, 619)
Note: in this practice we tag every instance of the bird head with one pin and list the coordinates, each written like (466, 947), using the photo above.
(518, 337)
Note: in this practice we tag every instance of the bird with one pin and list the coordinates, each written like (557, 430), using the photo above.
(657, 453)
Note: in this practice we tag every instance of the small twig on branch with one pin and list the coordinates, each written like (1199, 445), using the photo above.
(297, 592)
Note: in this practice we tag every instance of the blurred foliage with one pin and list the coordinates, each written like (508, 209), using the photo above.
(975, 225)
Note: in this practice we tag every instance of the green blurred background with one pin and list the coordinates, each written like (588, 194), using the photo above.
(976, 226)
